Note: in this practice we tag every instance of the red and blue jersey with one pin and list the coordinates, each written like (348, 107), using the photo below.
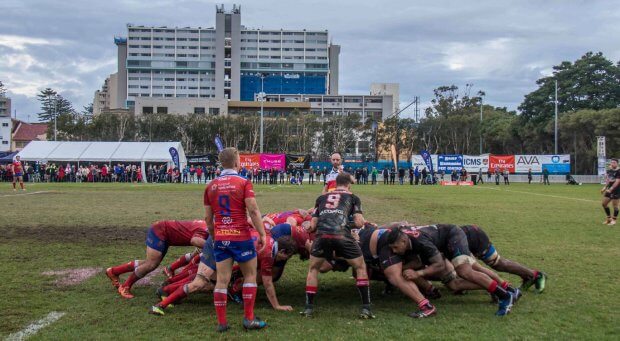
(17, 167)
(226, 196)
(179, 232)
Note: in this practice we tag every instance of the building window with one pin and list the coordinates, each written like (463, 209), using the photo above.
(162, 110)
(214, 111)
(4, 124)
(5, 142)
(147, 110)
(199, 110)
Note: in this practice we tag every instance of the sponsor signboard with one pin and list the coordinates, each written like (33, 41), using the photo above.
(525, 162)
(250, 161)
(268, 161)
(298, 160)
(418, 161)
(502, 162)
(556, 164)
(473, 163)
(448, 163)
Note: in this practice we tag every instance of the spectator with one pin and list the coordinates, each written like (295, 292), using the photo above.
(506, 173)
(393, 176)
(529, 176)
(545, 173)
(401, 176)
(424, 174)
(480, 176)
(386, 176)
(497, 171)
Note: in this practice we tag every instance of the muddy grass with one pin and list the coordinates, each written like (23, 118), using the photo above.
(75, 234)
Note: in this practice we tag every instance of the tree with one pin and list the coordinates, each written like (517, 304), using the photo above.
(591, 82)
(2, 89)
(47, 98)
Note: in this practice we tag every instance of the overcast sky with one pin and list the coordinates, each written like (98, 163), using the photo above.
(502, 47)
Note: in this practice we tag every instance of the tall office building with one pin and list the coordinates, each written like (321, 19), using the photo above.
(227, 61)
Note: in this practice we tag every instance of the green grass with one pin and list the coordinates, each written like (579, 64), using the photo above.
(554, 228)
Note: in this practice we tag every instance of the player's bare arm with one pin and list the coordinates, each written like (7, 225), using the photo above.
(270, 291)
(209, 220)
(197, 242)
(254, 213)
(358, 220)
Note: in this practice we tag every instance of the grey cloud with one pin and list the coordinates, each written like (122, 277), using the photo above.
(501, 47)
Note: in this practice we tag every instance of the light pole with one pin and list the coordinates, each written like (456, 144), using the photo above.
(556, 117)
(55, 116)
(261, 98)
(480, 125)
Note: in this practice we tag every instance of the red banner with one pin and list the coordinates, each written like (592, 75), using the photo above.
(250, 161)
(502, 162)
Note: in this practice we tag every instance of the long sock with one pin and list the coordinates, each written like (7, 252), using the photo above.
(133, 278)
(249, 297)
(607, 211)
(220, 297)
(615, 213)
(310, 293)
(505, 285)
(123, 268)
(171, 288)
(497, 290)
(182, 261)
(422, 303)
(176, 296)
(363, 286)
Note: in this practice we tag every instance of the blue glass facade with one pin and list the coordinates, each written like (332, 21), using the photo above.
(283, 84)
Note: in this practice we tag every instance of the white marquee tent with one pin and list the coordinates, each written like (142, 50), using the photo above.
(107, 152)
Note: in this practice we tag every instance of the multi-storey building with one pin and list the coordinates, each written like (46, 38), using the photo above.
(226, 61)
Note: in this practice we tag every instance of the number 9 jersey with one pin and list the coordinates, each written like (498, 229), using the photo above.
(333, 210)
(226, 195)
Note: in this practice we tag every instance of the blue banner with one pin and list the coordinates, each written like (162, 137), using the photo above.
(426, 156)
(448, 163)
(219, 144)
(174, 153)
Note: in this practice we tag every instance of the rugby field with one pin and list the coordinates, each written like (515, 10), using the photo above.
(56, 238)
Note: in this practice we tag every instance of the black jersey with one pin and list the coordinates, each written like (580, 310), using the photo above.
(612, 176)
(428, 241)
(422, 244)
(333, 209)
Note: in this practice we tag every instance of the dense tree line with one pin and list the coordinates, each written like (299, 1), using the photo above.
(588, 103)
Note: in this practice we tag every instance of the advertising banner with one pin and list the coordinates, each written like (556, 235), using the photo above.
(428, 160)
(473, 163)
(502, 162)
(418, 161)
(250, 161)
(556, 164)
(448, 163)
(219, 144)
(208, 159)
(525, 162)
(601, 152)
(298, 160)
(268, 161)
(174, 154)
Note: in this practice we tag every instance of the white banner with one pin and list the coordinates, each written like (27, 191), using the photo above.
(523, 163)
(473, 163)
(417, 160)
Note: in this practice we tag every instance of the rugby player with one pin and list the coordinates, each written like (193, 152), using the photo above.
(332, 237)
(381, 262)
(161, 235)
(482, 248)
(330, 179)
(276, 251)
(180, 262)
(227, 199)
(611, 192)
(202, 280)
(18, 173)
(293, 218)
(430, 242)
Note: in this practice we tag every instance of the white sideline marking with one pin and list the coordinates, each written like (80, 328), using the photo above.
(27, 193)
(34, 327)
(541, 194)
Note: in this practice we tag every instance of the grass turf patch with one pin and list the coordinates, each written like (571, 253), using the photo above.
(554, 228)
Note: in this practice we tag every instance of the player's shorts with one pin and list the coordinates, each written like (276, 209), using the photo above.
(344, 246)
(17, 175)
(154, 242)
(207, 257)
(613, 195)
(479, 244)
(239, 251)
(457, 249)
